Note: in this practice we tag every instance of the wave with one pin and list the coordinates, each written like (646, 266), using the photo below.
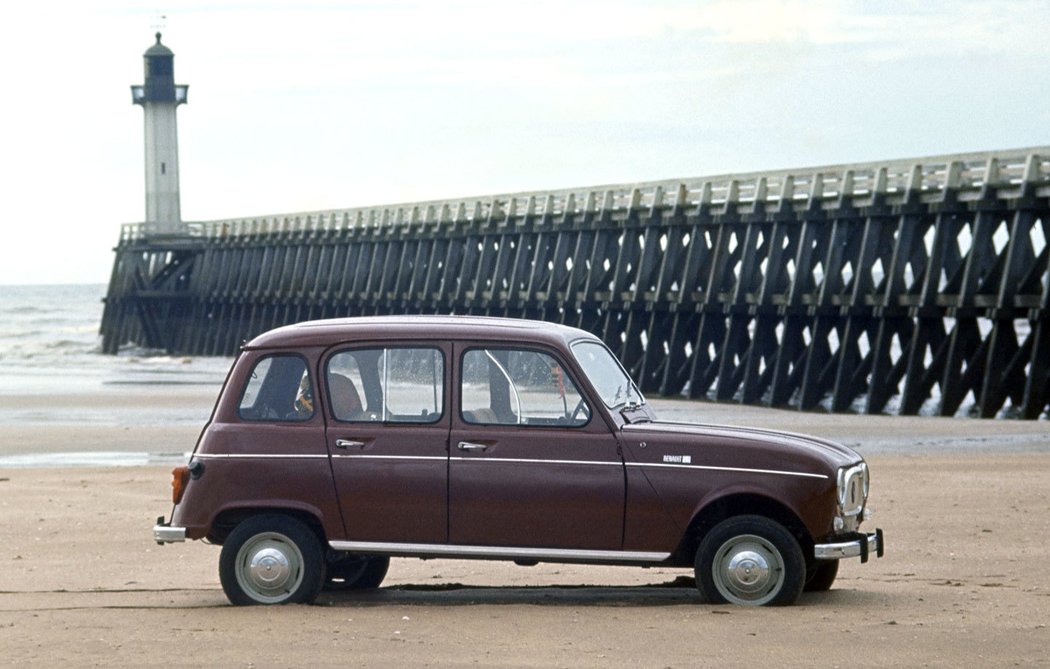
(72, 346)
(26, 310)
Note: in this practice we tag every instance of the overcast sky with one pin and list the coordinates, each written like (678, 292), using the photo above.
(300, 106)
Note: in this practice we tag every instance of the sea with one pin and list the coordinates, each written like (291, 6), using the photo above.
(49, 341)
(50, 345)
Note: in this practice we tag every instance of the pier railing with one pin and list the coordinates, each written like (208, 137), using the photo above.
(906, 286)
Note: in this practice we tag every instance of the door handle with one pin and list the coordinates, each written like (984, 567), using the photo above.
(348, 443)
(470, 446)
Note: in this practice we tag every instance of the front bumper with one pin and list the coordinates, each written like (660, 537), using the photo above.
(164, 533)
(852, 545)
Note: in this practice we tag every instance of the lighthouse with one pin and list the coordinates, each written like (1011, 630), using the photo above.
(159, 97)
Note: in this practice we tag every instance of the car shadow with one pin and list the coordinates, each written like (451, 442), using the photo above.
(680, 591)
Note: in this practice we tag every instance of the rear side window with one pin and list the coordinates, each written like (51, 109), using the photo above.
(389, 385)
(279, 389)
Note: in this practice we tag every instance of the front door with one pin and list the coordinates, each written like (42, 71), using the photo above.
(530, 465)
(388, 429)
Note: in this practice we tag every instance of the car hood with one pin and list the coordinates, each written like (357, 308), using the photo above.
(725, 445)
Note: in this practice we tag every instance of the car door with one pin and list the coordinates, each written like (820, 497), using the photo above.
(530, 465)
(387, 434)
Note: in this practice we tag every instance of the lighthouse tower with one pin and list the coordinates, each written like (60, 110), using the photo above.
(159, 96)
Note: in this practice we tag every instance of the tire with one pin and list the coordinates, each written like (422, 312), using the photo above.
(822, 575)
(355, 572)
(750, 560)
(271, 559)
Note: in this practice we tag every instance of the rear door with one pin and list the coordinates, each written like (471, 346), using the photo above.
(530, 465)
(387, 433)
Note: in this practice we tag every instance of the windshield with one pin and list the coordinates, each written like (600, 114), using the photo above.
(607, 376)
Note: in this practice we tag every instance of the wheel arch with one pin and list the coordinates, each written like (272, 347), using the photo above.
(740, 504)
(227, 519)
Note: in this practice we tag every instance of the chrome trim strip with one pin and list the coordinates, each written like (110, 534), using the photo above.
(230, 456)
(536, 461)
(359, 456)
(728, 469)
(509, 552)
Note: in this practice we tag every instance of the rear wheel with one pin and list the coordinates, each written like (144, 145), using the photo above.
(271, 559)
(355, 572)
(750, 560)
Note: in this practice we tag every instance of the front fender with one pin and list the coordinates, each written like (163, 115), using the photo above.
(807, 507)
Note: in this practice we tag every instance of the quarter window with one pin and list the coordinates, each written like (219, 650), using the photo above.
(519, 387)
(279, 389)
(390, 385)
(615, 388)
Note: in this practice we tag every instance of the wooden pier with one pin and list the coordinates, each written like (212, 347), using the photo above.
(897, 287)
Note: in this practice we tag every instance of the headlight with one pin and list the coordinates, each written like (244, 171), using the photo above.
(853, 489)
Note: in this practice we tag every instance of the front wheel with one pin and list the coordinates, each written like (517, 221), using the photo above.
(822, 575)
(271, 559)
(750, 560)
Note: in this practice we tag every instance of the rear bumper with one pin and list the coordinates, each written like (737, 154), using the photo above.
(164, 533)
(852, 545)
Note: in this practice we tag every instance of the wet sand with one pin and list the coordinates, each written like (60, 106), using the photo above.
(965, 506)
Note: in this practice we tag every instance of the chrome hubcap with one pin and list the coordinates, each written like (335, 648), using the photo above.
(748, 570)
(269, 567)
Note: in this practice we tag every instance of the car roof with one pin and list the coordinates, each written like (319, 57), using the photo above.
(333, 331)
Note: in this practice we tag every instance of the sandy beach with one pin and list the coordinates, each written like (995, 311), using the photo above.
(965, 505)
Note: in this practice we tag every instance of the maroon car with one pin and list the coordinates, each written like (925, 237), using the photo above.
(337, 444)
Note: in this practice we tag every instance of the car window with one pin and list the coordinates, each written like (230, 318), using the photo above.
(390, 385)
(519, 387)
(278, 389)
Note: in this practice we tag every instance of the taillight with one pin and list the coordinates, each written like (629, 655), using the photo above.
(180, 476)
